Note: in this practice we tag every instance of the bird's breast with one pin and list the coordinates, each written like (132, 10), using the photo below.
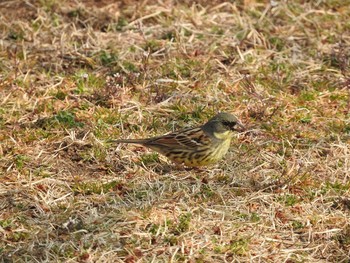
(223, 135)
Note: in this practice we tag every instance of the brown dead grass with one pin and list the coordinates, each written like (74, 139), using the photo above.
(74, 74)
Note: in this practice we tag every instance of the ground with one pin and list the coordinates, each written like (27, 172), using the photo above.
(75, 74)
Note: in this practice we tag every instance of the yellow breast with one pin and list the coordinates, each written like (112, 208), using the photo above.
(224, 135)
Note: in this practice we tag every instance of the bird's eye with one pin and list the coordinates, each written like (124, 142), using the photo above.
(228, 124)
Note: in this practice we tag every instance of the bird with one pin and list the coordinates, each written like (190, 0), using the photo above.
(194, 147)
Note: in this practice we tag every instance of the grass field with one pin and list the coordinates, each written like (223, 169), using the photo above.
(74, 74)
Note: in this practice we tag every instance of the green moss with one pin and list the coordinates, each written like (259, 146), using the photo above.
(306, 119)
(307, 96)
(169, 35)
(42, 172)
(122, 22)
(297, 225)
(108, 58)
(48, 5)
(277, 43)
(150, 158)
(241, 35)
(130, 67)
(6, 224)
(288, 199)
(16, 35)
(154, 229)
(254, 217)
(338, 187)
(21, 160)
(87, 82)
(67, 119)
(74, 13)
(217, 30)
(152, 45)
(207, 192)
(239, 246)
(17, 236)
(88, 188)
(184, 223)
(171, 240)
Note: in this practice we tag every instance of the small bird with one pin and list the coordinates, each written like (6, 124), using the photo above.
(192, 147)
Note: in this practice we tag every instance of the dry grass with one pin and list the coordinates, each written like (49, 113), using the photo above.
(73, 75)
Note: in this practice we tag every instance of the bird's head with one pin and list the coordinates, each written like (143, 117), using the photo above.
(223, 124)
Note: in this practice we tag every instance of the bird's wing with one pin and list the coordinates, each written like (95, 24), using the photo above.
(186, 139)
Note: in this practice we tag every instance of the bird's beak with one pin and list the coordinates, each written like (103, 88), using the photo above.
(240, 127)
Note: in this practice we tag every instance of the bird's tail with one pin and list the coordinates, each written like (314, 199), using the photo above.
(136, 141)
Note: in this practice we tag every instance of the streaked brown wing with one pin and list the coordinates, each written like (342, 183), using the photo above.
(193, 138)
(186, 139)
